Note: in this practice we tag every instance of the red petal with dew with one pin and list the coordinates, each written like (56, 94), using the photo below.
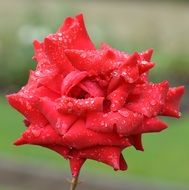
(123, 121)
(109, 155)
(40, 136)
(172, 102)
(148, 99)
(80, 137)
(69, 105)
(74, 34)
(27, 107)
(60, 122)
(71, 80)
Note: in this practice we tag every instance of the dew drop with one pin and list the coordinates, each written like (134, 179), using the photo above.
(59, 34)
(105, 125)
(153, 102)
(144, 62)
(92, 101)
(70, 104)
(115, 73)
(102, 123)
(36, 133)
(179, 114)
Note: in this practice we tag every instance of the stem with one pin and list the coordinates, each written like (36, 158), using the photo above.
(74, 182)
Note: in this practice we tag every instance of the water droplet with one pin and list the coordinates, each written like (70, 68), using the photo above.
(35, 132)
(123, 113)
(115, 73)
(102, 123)
(144, 62)
(70, 104)
(113, 105)
(179, 114)
(38, 73)
(86, 102)
(124, 73)
(105, 115)
(59, 34)
(153, 102)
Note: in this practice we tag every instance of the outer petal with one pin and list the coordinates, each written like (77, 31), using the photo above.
(129, 70)
(149, 98)
(120, 55)
(151, 125)
(146, 56)
(27, 107)
(109, 155)
(62, 150)
(102, 60)
(172, 102)
(40, 136)
(80, 137)
(145, 66)
(56, 55)
(74, 34)
(136, 141)
(60, 122)
(123, 121)
(45, 69)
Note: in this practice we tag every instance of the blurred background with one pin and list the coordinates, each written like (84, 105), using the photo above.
(125, 25)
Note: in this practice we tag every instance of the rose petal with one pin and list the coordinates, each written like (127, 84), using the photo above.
(92, 88)
(109, 155)
(74, 34)
(63, 151)
(120, 55)
(146, 56)
(78, 106)
(118, 96)
(114, 81)
(151, 125)
(145, 66)
(136, 141)
(43, 91)
(71, 80)
(40, 136)
(123, 121)
(60, 122)
(149, 98)
(26, 106)
(102, 60)
(143, 78)
(56, 55)
(80, 137)
(172, 102)
(129, 70)
(45, 69)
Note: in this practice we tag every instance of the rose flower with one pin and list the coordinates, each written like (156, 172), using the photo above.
(87, 103)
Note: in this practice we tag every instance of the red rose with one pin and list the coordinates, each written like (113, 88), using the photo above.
(88, 103)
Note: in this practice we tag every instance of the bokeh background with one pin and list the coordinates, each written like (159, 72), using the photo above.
(128, 26)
